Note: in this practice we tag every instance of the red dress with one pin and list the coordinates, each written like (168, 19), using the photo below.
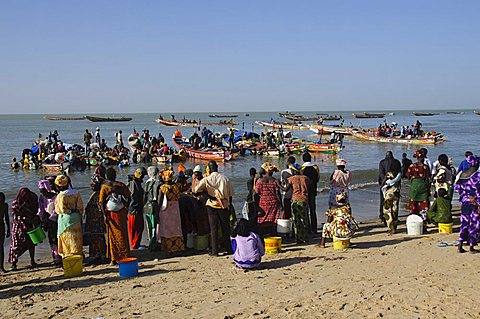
(269, 207)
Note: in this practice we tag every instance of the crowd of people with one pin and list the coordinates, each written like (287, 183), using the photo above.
(432, 186)
(173, 205)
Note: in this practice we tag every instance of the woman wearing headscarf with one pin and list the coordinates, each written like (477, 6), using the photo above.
(170, 223)
(150, 209)
(135, 209)
(95, 223)
(24, 219)
(468, 188)
(268, 190)
(69, 207)
(299, 184)
(48, 216)
(114, 198)
(419, 175)
(340, 180)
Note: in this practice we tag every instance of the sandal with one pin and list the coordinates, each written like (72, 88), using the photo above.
(12, 268)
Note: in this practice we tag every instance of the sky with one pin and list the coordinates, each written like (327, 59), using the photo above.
(184, 56)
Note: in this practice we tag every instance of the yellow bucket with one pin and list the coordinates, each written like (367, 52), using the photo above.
(273, 245)
(340, 243)
(73, 266)
(445, 228)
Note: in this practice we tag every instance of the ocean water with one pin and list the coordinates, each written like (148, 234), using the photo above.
(19, 131)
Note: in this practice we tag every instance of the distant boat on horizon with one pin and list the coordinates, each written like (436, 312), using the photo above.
(425, 113)
(63, 118)
(107, 119)
(366, 115)
(222, 115)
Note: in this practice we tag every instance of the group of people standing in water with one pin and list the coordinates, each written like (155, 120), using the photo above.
(172, 205)
(439, 179)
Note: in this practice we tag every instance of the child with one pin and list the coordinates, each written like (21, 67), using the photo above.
(4, 224)
(441, 210)
(247, 246)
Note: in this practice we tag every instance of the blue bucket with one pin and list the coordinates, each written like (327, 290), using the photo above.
(128, 267)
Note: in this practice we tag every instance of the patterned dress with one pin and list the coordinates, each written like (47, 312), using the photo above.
(95, 226)
(170, 223)
(69, 207)
(269, 205)
(343, 224)
(468, 189)
(419, 175)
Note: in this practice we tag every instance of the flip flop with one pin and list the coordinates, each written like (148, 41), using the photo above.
(455, 243)
(443, 244)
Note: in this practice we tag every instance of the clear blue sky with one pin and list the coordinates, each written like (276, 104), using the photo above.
(157, 56)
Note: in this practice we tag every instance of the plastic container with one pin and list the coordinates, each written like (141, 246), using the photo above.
(128, 267)
(73, 266)
(37, 235)
(341, 243)
(273, 245)
(414, 225)
(284, 226)
(445, 228)
(190, 240)
(201, 242)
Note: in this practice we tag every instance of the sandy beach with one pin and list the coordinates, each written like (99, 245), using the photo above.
(379, 276)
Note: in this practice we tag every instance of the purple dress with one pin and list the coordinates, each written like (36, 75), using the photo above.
(469, 219)
(247, 251)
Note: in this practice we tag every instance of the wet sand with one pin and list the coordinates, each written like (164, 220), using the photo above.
(380, 276)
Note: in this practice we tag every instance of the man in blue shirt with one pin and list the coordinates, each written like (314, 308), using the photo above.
(464, 164)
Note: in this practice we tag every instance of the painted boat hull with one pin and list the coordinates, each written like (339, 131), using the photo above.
(107, 119)
(397, 140)
(218, 156)
(284, 126)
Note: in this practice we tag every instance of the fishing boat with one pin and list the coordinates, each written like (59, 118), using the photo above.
(324, 148)
(208, 155)
(107, 119)
(424, 114)
(368, 136)
(455, 112)
(52, 167)
(321, 129)
(298, 118)
(331, 118)
(222, 115)
(175, 123)
(476, 112)
(285, 125)
(365, 115)
(62, 118)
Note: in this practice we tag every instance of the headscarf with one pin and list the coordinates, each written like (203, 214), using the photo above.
(61, 181)
(167, 174)
(138, 174)
(418, 154)
(341, 162)
(44, 184)
(25, 204)
(270, 167)
(473, 160)
(152, 172)
(197, 169)
(295, 167)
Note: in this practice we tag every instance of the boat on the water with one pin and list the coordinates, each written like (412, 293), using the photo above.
(107, 119)
(324, 148)
(424, 114)
(321, 129)
(298, 118)
(366, 115)
(455, 112)
(476, 112)
(194, 123)
(371, 136)
(285, 125)
(222, 115)
(219, 155)
(331, 118)
(63, 118)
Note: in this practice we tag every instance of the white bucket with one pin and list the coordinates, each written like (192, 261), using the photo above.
(414, 225)
(190, 240)
(284, 226)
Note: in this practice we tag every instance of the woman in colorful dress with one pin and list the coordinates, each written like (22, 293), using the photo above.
(69, 208)
(48, 216)
(340, 180)
(268, 190)
(170, 223)
(468, 188)
(95, 223)
(419, 175)
(299, 185)
(115, 216)
(24, 219)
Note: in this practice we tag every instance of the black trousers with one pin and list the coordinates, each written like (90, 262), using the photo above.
(220, 217)
(287, 205)
(312, 208)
